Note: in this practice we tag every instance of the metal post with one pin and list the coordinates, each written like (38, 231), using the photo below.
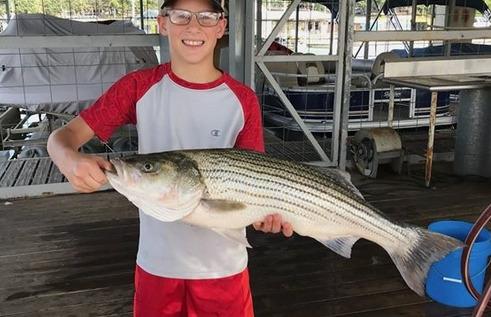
(350, 31)
(236, 39)
(449, 11)
(7, 9)
(343, 83)
(413, 25)
(259, 24)
(368, 27)
(297, 16)
(390, 117)
(432, 20)
(142, 23)
(431, 139)
(331, 38)
(249, 64)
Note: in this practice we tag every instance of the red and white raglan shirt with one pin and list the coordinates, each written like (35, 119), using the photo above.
(173, 114)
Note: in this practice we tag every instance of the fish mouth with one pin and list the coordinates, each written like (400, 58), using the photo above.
(116, 169)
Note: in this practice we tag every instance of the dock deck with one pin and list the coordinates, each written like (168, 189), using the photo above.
(73, 255)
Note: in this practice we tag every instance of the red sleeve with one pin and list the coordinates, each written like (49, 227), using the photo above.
(251, 136)
(117, 106)
(113, 109)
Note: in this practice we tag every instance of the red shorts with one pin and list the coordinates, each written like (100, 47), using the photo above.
(157, 296)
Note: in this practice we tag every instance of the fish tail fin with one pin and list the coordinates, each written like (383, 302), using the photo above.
(415, 259)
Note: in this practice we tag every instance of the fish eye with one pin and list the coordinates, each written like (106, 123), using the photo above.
(148, 167)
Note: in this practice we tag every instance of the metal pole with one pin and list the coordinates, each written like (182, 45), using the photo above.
(249, 44)
(343, 83)
(371, 28)
(347, 69)
(368, 27)
(331, 39)
(259, 23)
(296, 28)
(7, 9)
(431, 139)
(432, 20)
(449, 11)
(142, 23)
(413, 25)
(390, 117)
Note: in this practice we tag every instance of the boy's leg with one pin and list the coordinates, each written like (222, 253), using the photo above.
(157, 296)
(223, 297)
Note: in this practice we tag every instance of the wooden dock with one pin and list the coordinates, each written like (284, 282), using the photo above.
(73, 255)
(31, 177)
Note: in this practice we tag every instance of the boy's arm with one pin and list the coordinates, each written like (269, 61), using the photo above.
(84, 172)
(113, 109)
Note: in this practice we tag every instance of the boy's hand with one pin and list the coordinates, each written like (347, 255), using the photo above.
(274, 224)
(85, 172)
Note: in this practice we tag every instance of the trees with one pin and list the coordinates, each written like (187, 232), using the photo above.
(110, 9)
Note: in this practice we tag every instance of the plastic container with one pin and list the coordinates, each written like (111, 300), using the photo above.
(444, 282)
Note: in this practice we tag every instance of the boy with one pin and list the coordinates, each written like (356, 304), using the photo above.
(181, 270)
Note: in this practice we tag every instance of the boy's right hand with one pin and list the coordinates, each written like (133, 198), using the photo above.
(85, 172)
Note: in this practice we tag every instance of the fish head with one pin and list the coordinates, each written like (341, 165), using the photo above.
(167, 182)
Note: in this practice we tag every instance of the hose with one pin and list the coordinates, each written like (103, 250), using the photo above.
(484, 299)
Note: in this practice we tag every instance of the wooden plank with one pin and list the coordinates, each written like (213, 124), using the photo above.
(73, 255)
(42, 171)
(10, 175)
(38, 190)
(27, 172)
(55, 175)
(3, 167)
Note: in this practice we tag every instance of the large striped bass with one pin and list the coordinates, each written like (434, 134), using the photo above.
(226, 190)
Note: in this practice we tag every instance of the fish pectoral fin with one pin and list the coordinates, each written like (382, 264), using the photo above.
(237, 235)
(341, 245)
(222, 205)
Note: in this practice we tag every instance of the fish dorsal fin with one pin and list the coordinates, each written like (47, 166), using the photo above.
(222, 205)
(341, 246)
(237, 235)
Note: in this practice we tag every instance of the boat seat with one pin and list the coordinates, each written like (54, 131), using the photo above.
(285, 73)
(314, 72)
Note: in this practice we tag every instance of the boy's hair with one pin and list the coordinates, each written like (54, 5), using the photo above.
(215, 4)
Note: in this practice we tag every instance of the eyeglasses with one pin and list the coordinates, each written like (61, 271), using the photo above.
(183, 17)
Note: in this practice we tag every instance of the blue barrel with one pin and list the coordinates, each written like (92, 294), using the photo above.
(444, 282)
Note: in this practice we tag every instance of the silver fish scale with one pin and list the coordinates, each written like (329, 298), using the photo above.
(278, 185)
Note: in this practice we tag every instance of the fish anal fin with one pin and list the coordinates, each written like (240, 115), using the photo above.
(221, 205)
(341, 245)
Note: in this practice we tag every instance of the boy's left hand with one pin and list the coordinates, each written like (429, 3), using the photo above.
(274, 224)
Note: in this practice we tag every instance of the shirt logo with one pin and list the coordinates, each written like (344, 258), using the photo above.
(216, 133)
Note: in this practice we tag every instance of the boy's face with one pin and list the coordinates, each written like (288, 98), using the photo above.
(192, 43)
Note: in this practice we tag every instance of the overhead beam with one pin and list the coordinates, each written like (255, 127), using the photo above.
(295, 58)
(397, 36)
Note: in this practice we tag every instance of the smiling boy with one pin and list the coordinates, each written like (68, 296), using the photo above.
(182, 270)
